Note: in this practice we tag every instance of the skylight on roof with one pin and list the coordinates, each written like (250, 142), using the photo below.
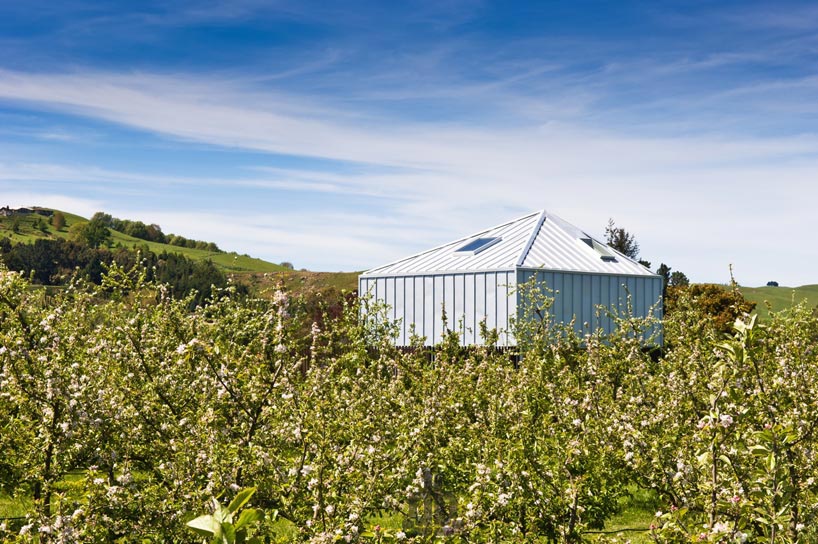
(477, 245)
(602, 250)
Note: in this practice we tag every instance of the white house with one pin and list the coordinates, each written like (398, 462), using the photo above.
(475, 278)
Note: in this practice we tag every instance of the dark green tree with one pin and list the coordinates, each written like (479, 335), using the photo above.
(679, 279)
(664, 271)
(621, 240)
(92, 233)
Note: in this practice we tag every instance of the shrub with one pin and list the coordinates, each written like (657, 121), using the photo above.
(719, 305)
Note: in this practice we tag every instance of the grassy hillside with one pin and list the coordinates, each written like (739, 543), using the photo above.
(301, 281)
(780, 298)
(28, 228)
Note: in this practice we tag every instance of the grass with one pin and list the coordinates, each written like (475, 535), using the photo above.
(299, 282)
(779, 298)
(390, 522)
(638, 511)
(15, 506)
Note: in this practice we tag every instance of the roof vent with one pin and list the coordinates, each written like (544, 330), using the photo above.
(475, 246)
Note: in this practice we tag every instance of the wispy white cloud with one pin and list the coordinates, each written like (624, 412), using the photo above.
(705, 194)
(16, 172)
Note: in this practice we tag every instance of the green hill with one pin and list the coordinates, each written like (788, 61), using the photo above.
(30, 227)
(303, 281)
(779, 298)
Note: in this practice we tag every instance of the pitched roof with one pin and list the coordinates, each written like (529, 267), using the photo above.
(537, 240)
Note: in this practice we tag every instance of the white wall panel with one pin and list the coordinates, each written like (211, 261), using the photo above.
(458, 305)
(492, 295)
(428, 309)
(400, 308)
(470, 331)
(491, 300)
(437, 310)
(480, 313)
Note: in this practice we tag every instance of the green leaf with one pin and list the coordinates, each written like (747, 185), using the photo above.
(763, 521)
(248, 517)
(221, 514)
(205, 525)
(229, 532)
(759, 450)
(241, 499)
(771, 462)
(765, 435)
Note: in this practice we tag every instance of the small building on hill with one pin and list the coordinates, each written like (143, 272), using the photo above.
(6, 211)
(475, 278)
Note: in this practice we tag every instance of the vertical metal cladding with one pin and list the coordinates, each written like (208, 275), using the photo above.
(418, 303)
(589, 300)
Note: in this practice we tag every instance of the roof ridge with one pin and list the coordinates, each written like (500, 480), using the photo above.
(531, 239)
(572, 231)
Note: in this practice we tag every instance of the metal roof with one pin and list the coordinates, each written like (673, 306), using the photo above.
(537, 240)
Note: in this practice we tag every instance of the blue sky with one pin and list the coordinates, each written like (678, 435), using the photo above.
(340, 136)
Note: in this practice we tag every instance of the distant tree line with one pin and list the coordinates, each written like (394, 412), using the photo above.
(53, 262)
(151, 233)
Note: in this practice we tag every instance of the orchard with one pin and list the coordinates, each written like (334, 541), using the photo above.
(127, 416)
